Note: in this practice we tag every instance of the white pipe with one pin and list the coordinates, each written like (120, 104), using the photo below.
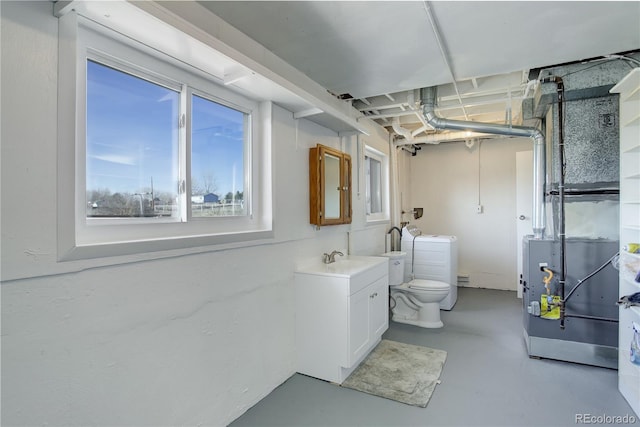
(444, 53)
(394, 174)
(428, 98)
(406, 133)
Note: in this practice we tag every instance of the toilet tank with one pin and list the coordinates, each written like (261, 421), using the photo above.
(396, 267)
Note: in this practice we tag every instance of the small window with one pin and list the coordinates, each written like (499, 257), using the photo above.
(376, 187)
(373, 172)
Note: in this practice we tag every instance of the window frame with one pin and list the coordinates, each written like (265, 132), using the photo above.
(155, 78)
(247, 157)
(80, 237)
(383, 215)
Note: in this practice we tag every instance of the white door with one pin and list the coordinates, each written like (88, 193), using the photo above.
(524, 204)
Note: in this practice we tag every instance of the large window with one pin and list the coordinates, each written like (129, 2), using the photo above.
(165, 155)
(133, 146)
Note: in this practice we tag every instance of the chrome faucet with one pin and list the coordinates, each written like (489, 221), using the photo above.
(329, 258)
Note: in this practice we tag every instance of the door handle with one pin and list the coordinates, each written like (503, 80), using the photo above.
(522, 217)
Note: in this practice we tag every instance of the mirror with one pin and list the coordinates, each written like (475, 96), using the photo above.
(332, 187)
(329, 186)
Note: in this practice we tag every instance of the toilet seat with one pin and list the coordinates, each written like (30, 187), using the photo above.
(427, 285)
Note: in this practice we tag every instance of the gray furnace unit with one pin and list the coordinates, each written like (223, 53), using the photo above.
(580, 119)
(583, 340)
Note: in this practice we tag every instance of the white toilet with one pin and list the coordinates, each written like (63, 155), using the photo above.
(416, 302)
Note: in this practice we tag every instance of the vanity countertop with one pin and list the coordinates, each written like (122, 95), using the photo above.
(347, 266)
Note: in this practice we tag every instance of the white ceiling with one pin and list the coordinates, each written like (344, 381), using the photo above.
(378, 52)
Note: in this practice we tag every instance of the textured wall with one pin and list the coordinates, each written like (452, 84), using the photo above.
(191, 339)
(447, 180)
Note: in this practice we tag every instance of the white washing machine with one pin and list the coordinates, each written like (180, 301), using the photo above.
(431, 257)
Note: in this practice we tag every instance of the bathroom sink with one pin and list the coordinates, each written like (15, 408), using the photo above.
(350, 266)
(347, 266)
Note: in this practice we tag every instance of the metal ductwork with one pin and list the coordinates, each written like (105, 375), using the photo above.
(432, 138)
(428, 99)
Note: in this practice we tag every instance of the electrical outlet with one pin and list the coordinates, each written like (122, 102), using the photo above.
(479, 209)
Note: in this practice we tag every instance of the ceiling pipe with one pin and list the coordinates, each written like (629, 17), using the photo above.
(437, 138)
(428, 99)
(410, 138)
(444, 53)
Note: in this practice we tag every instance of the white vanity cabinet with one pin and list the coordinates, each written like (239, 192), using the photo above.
(341, 314)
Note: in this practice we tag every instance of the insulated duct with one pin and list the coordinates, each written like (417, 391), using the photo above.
(432, 138)
(428, 99)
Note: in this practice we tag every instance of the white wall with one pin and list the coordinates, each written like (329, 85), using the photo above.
(184, 340)
(447, 179)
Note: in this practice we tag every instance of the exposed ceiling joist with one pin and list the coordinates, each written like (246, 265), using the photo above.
(478, 53)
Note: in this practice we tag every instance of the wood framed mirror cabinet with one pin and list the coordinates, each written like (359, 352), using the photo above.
(329, 186)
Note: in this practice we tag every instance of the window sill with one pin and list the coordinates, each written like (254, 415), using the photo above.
(123, 252)
(377, 221)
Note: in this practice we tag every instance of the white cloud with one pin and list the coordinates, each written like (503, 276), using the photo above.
(114, 158)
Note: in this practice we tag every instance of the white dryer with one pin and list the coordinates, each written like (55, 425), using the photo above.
(431, 257)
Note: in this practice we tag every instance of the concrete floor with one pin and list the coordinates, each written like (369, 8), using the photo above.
(488, 380)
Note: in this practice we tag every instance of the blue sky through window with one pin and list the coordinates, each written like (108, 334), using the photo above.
(217, 147)
(132, 137)
(132, 133)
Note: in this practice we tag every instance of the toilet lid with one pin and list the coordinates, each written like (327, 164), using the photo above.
(428, 284)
